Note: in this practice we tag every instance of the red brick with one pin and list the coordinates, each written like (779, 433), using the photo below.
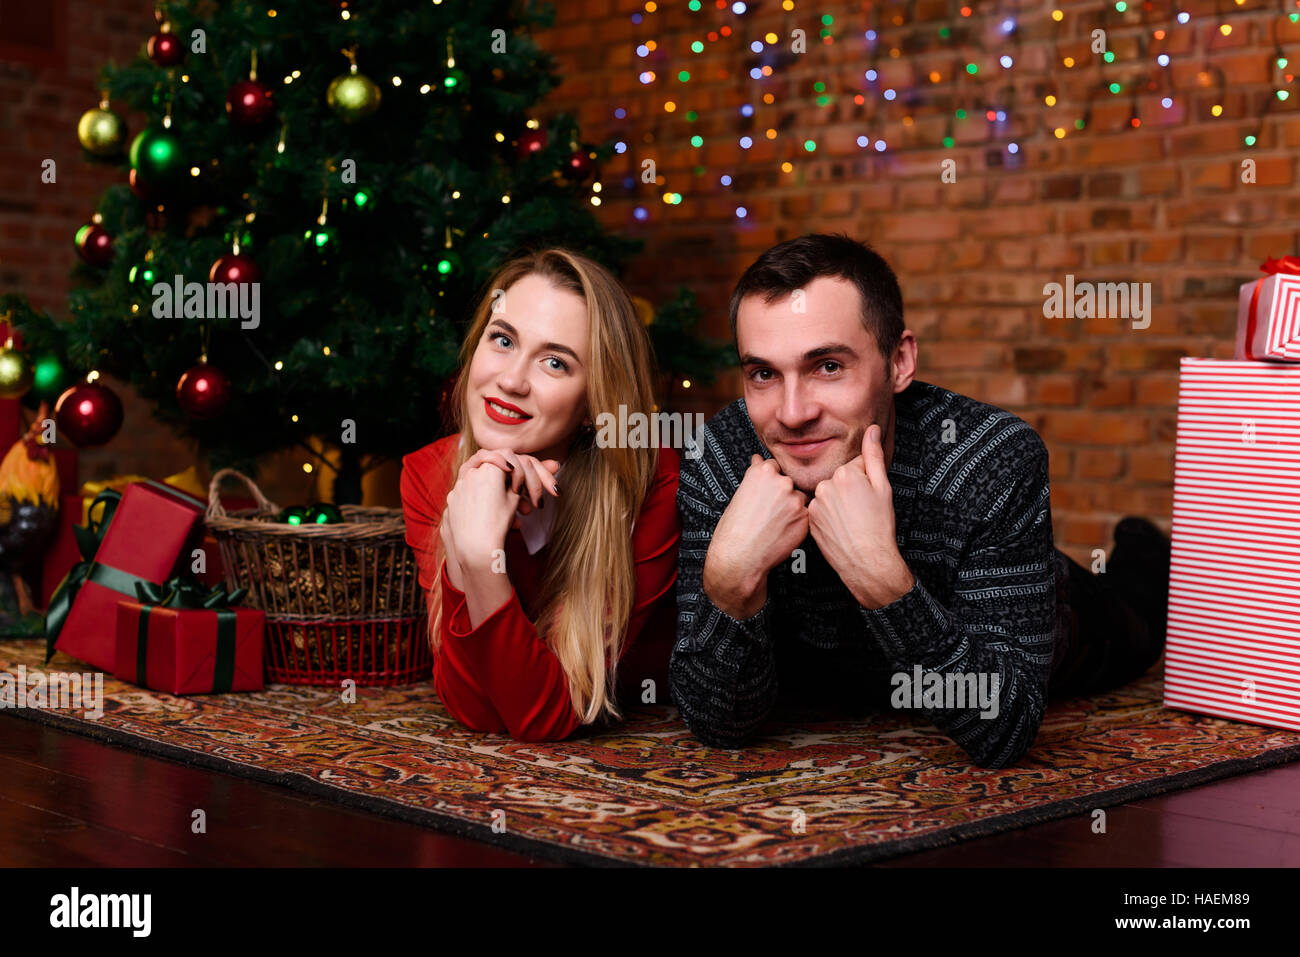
(1153, 463)
(1156, 390)
(1097, 428)
(1099, 463)
(1056, 389)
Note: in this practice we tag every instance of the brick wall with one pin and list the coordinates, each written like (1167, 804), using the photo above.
(1162, 202)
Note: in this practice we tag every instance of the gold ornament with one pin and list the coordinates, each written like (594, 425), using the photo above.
(15, 372)
(101, 131)
(353, 95)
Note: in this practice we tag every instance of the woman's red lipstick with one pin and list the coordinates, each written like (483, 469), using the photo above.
(496, 416)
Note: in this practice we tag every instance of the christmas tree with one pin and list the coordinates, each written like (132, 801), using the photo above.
(354, 171)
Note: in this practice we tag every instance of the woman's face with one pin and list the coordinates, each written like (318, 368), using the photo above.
(527, 380)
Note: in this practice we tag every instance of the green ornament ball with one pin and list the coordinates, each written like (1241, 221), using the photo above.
(143, 276)
(353, 96)
(447, 265)
(101, 132)
(322, 239)
(157, 154)
(50, 378)
(293, 515)
(324, 513)
(454, 81)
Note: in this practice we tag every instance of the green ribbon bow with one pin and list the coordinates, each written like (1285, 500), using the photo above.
(89, 537)
(188, 593)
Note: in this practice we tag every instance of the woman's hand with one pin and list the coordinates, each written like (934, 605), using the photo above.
(450, 556)
(524, 471)
(480, 511)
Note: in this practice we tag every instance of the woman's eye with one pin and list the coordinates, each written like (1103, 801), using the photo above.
(556, 365)
(501, 339)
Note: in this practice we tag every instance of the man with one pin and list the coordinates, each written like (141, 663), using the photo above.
(848, 530)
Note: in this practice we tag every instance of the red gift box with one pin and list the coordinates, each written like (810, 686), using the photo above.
(145, 540)
(190, 650)
(62, 555)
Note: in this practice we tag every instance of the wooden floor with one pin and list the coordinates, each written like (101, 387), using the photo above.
(66, 800)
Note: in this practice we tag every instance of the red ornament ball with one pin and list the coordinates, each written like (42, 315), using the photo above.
(579, 166)
(203, 392)
(530, 142)
(234, 267)
(250, 103)
(165, 49)
(142, 190)
(94, 244)
(89, 414)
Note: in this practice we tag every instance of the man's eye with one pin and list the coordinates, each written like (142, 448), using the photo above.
(761, 375)
(831, 366)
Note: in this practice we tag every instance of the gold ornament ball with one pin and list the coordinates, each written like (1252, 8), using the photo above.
(15, 373)
(353, 96)
(102, 132)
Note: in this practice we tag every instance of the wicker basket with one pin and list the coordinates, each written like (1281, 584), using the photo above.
(341, 601)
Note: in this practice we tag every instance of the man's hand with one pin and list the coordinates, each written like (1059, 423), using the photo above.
(851, 518)
(765, 521)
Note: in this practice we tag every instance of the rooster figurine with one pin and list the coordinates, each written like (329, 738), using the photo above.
(29, 512)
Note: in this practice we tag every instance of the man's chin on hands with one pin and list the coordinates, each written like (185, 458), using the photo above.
(764, 523)
(851, 518)
(809, 459)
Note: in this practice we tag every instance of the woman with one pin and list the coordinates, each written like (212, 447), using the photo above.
(549, 560)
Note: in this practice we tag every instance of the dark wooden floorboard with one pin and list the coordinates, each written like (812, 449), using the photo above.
(68, 800)
(65, 799)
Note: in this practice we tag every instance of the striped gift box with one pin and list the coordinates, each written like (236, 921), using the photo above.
(1268, 318)
(1233, 646)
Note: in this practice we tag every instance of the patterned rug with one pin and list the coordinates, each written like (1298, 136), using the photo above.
(814, 791)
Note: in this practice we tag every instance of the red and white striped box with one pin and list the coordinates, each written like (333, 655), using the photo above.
(1233, 646)
(1268, 318)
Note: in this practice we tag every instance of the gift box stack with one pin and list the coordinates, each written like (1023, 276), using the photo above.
(1233, 648)
(133, 605)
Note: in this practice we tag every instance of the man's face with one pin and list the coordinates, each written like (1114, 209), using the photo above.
(814, 380)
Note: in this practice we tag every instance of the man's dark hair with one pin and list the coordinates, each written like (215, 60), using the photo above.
(795, 263)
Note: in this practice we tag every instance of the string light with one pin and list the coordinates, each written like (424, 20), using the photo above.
(761, 43)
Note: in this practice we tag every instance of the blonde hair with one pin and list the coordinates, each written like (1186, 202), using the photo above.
(588, 586)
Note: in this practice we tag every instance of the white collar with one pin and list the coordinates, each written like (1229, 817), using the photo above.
(535, 527)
